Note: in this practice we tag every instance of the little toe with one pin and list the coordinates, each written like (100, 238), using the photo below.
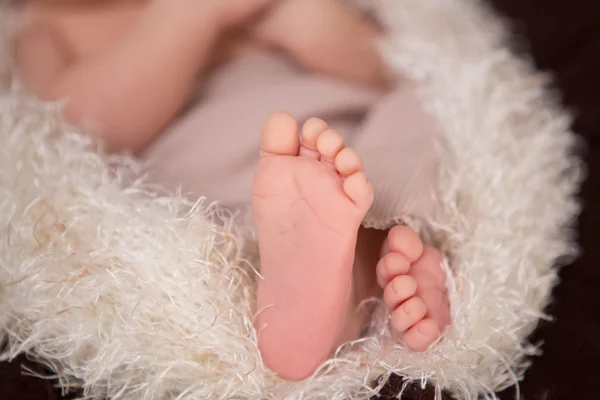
(311, 130)
(329, 144)
(400, 289)
(280, 136)
(403, 239)
(359, 190)
(422, 335)
(409, 313)
(348, 162)
(390, 266)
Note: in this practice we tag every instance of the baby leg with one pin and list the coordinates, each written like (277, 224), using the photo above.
(128, 90)
(326, 36)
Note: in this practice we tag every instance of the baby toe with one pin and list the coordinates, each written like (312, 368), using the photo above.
(329, 144)
(400, 289)
(311, 130)
(280, 136)
(348, 162)
(422, 335)
(390, 266)
(404, 240)
(409, 313)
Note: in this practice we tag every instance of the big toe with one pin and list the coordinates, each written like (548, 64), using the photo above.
(404, 240)
(280, 136)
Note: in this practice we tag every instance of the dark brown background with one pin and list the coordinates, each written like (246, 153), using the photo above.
(564, 37)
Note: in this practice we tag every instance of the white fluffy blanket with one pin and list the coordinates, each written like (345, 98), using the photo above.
(132, 293)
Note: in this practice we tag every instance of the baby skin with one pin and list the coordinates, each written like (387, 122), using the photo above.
(309, 197)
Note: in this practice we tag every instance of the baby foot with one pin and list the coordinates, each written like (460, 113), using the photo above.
(414, 288)
(308, 201)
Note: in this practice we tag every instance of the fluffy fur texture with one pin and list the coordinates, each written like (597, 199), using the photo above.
(134, 294)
